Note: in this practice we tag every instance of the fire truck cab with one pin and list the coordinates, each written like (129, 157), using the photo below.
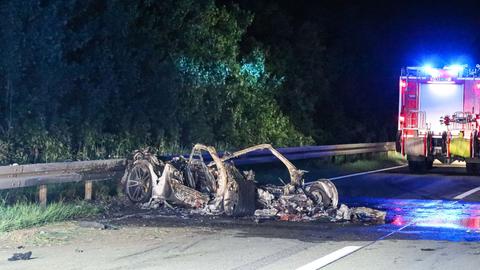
(439, 116)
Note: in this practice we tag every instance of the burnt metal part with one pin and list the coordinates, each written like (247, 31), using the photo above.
(239, 198)
(296, 175)
(365, 214)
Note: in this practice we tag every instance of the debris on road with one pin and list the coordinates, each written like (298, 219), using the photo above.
(304, 204)
(343, 213)
(218, 187)
(96, 225)
(21, 256)
(364, 214)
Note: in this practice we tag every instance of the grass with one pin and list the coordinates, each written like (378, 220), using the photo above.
(24, 215)
(392, 159)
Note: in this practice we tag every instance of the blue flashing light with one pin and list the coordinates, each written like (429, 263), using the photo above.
(430, 71)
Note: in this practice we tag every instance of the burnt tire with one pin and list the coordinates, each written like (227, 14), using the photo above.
(319, 195)
(417, 166)
(138, 184)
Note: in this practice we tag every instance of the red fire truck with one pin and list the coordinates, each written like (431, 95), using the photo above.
(439, 116)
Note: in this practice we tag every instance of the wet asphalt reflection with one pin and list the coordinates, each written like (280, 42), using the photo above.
(426, 219)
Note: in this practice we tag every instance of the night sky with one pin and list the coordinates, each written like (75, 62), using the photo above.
(404, 32)
(407, 32)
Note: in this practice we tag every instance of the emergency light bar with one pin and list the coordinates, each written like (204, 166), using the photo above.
(446, 72)
(442, 74)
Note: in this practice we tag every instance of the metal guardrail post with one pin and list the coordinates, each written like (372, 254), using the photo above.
(42, 195)
(88, 190)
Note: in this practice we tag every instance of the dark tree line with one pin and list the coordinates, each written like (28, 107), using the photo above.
(86, 79)
(338, 87)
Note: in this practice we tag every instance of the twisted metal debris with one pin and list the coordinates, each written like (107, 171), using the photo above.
(218, 187)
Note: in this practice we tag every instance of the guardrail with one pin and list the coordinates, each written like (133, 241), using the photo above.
(19, 176)
(311, 152)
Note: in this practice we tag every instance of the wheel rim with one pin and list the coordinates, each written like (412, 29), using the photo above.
(324, 191)
(138, 183)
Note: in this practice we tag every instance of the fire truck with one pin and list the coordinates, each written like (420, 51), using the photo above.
(439, 116)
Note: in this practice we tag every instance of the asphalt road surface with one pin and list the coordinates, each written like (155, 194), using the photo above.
(433, 223)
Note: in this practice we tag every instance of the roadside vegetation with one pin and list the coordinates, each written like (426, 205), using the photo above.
(23, 214)
(18, 207)
(390, 160)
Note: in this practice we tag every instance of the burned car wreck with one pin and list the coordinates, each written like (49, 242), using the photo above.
(218, 187)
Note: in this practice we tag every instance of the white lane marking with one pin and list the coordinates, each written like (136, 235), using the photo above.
(363, 173)
(327, 259)
(465, 194)
(369, 172)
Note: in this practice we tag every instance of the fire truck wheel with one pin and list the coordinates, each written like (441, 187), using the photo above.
(429, 164)
(476, 143)
(416, 166)
(444, 142)
(469, 167)
(429, 146)
(472, 168)
(398, 142)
